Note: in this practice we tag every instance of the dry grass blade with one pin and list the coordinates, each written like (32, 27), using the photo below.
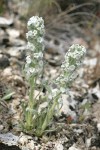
(42, 6)
(67, 25)
(65, 15)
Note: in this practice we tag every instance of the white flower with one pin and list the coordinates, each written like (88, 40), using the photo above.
(39, 28)
(73, 76)
(30, 46)
(84, 49)
(35, 46)
(35, 32)
(63, 90)
(29, 109)
(40, 40)
(77, 56)
(54, 92)
(41, 20)
(37, 24)
(41, 63)
(29, 34)
(28, 59)
(35, 21)
(78, 63)
(38, 55)
(73, 59)
(71, 68)
(42, 26)
(32, 70)
(32, 20)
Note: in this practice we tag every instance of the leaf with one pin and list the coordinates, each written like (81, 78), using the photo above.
(8, 96)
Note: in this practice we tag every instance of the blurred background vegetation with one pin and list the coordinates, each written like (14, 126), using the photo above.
(70, 17)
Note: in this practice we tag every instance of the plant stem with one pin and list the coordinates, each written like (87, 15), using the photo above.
(50, 114)
(32, 85)
(31, 103)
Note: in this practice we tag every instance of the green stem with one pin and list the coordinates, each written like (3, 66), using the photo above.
(31, 103)
(32, 85)
(50, 114)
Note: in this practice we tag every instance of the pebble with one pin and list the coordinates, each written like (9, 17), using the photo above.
(9, 138)
(4, 22)
(23, 140)
(91, 63)
(13, 33)
(1, 127)
(88, 142)
(31, 145)
(58, 146)
(73, 148)
(17, 52)
(7, 72)
(14, 52)
(16, 42)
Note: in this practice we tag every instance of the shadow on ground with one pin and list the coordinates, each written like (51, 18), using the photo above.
(6, 147)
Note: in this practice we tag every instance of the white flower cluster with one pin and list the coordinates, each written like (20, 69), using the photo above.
(52, 93)
(73, 60)
(35, 47)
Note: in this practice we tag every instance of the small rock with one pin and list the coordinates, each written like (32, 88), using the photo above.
(58, 146)
(23, 140)
(90, 62)
(31, 145)
(73, 148)
(8, 138)
(16, 42)
(88, 142)
(5, 22)
(93, 148)
(7, 72)
(14, 52)
(1, 127)
(13, 33)
(53, 73)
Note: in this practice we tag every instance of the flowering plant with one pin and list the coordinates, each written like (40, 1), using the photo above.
(40, 109)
